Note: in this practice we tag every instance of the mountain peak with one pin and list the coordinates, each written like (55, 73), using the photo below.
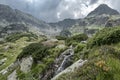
(103, 5)
(103, 9)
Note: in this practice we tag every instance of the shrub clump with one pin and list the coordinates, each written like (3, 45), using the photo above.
(61, 38)
(15, 36)
(76, 39)
(106, 36)
(37, 50)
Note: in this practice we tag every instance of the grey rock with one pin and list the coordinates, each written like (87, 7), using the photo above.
(26, 63)
(12, 76)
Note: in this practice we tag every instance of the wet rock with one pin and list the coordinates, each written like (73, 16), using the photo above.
(74, 66)
(64, 60)
(61, 63)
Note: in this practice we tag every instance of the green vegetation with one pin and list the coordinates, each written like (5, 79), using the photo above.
(73, 40)
(105, 36)
(15, 36)
(61, 38)
(37, 50)
(100, 66)
(76, 42)
(40, 53)
(79, 48)
(76, 39)
(10, 51)
(102, 53)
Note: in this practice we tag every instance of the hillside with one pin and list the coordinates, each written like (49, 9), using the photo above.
(103, 9)
(81, 49)
(100, 58)
(9, 16)
(37, 58)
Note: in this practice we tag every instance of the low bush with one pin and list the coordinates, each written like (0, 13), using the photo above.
(76, 39)
(105, 36)
(37, 50)
(61, 38)
(15, 36)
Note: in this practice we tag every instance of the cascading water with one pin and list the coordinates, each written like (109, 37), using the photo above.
(67, 56)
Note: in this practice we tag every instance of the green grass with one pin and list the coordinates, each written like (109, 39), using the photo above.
(100, 66)
(12, 52)
(106, 36)
(40, 53)
(15, 36)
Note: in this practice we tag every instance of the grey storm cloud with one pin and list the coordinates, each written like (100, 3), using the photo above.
(93, 1)
(55, 10)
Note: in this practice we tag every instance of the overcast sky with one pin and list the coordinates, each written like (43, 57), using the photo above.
(55, 10)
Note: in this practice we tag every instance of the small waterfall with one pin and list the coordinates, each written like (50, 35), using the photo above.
(67, 56)
(71, 68)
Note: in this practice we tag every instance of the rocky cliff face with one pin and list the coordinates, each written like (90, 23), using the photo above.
(13, 28)
(65, 24)
(112, 23)
(103, 9)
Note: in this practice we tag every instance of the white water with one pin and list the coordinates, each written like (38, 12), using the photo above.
(72, 68)
(66, 58)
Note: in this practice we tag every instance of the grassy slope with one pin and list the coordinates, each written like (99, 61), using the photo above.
(103, 60)
(100, 66)
(45, 61)
(12, 52)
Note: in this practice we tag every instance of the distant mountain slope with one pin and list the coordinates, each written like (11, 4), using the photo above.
(95, 19)
(66, 23)
(9, 16)
(13, 28)
(103, 9)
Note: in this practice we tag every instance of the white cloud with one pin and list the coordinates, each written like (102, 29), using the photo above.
(30, 1)
(58, 15)
(55, 10)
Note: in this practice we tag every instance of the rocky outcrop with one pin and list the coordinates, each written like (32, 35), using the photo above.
(61, 63)
(10, 68)
(74, 66)
(112, 23)
(26, 63)
(66, 60)
(65, 24)
(97, 20)
(25, 66)
(13, 28)
(12, 76)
